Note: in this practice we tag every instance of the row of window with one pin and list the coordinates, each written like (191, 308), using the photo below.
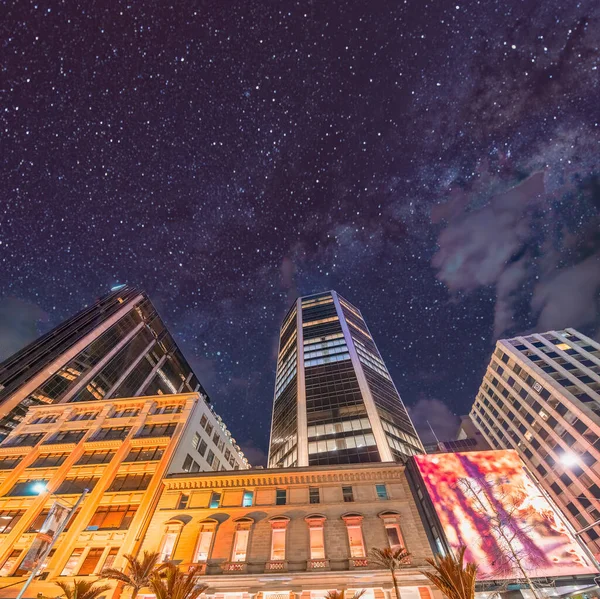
(243, 528)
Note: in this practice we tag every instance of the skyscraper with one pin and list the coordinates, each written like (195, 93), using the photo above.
(541, 396)
(335, 401)
(117, 347)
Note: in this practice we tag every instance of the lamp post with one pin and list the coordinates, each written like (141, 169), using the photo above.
(40, 488)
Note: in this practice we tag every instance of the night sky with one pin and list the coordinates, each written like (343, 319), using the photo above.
(437, 163)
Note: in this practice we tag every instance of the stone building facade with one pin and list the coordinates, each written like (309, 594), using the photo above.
(285, 533)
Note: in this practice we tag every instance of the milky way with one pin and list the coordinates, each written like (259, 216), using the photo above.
(437, 163)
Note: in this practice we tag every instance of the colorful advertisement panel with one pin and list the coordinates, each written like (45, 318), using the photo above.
(486, 501)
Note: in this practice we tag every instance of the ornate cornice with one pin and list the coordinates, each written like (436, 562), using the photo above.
(282, 477)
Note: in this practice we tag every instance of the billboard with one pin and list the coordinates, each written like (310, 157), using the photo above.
(486, 501)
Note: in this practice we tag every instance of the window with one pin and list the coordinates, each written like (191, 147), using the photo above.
(348, 494)
(313, 495)
(240, 539)
(66, 437)
(203, 420)
(215, 500)
(381, 492)
(8, 519)
(107, 434)
(210, 458)
(10, 562)
(278, 526)
(316, 536)
(391, 521)
(44, 419)
(355, 537)
(126, 413)
(48, 460)
(114, 517)
(202, 448)
(24, 440)
(280, 497)
(216, 438)
(167, 548)
(8, 462)
(110, 558)
(196, 441)
(91, 561)
(157, 430)
(26, 488)
(248, 499)
(187, 463)
(204, 542)
(145, 454)
(183, 501)
(96, 457)
(72, 562)
(84, 416)
(209, 429)
(76, 484)
(130, 482)
(170, 409)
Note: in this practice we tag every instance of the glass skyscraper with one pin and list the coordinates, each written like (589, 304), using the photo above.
(335, 402)
(118, 347)
(541, 396)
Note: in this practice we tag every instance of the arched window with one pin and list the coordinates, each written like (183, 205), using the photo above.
(391, 521)
(240, 539)
(169, 541)
(278, 535)
(356, 541)
(205, 540)
(316, 523)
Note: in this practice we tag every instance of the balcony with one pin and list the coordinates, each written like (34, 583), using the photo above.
(358, 562)
(317, 564)
(235, 567)
(276, 566)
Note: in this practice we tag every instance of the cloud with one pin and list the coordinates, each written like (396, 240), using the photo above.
(255, 455)
(434, 412)
(19, 322)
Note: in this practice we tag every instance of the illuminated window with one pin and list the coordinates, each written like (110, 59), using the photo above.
(248, 499)
(240, 539)
(381, 492)
(72, 562)
(91, 561)
(313, 495)
(316, 536)
(215, 500)
(355, 537)
(207, 531)
(184, 499)
(391, 521)
(169, 540)
(278, 526)
(10, 562)
(110, 558)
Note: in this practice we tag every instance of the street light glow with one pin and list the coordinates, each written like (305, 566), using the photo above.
(569, 459)
(38, 488)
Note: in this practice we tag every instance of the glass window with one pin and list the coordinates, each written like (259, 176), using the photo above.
(202, 448)
(114, 517)
(204, 542)
(248, 499)
(8, 519)
(317, 542)
(215, 500)
(355, 539)
(183, 501)
(210, 458)
(91, 561)
(27, 488)
(280, 497)
(381, 492)
(96, 457)
(313, 495)
(278, 544)
(110, 558)
(168, 546)
(130, 482)
(348, 494)
(240, 544)
(145, 454)
(394, 536)
(72, 562)
(196, 441)
(9, 462)
(10, 562)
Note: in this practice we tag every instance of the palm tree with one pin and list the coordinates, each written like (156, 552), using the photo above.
(172, 583)
(82, 589)
(139, 572)
(341, 594)
(452, 576)
(391, 559)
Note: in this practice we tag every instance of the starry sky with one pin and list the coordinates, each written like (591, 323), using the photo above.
(435, 162)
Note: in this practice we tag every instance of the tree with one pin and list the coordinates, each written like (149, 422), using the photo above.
(82, 589)
(514, 555)
(391, 559)
(454, 578)
(172, 583)
(139, 572)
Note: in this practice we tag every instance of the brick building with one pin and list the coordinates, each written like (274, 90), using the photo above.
(297, 532)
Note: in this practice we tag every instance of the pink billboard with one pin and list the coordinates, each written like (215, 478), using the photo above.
(486, 501)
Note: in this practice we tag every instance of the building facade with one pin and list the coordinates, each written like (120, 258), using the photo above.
(335, 401)
(120, 450)
(285, 534)
(118, 347)
(541, 396)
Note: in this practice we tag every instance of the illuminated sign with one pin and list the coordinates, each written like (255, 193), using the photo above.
(486, 501)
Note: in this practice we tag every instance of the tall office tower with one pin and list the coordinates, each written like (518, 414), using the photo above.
(335, 401)
(541, 397)
(118, 347)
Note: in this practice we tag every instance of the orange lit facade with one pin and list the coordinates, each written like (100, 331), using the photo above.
(291, 533)
(121, 450)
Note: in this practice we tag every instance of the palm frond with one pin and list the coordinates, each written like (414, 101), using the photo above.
(389, 558)
(452, 576)
(82, 589)
(171, 583)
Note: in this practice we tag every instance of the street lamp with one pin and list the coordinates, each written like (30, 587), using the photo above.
(568, 458)
(40, 488)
